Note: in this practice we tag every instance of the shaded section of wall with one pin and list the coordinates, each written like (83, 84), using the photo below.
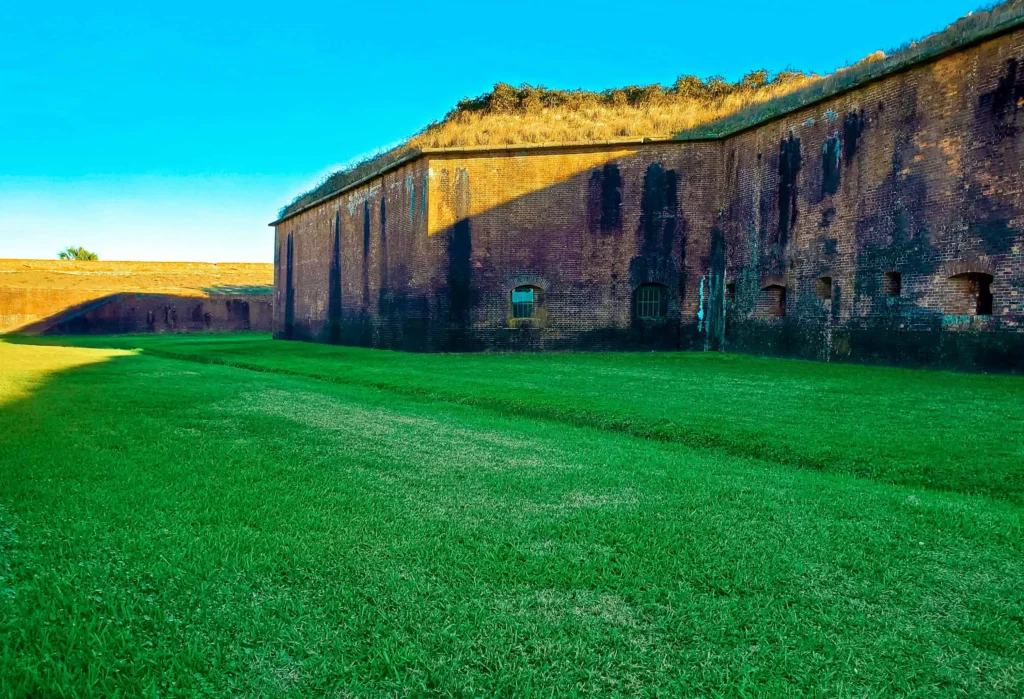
(142, 313)
(334, 301)
(35, 293)
(460, 270)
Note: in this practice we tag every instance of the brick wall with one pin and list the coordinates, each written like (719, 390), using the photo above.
(361, 268)
(916, 177)
(67, 296)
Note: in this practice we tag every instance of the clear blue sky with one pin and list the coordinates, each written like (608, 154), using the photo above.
(175, 130)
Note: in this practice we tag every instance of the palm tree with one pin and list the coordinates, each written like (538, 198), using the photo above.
(70, 253)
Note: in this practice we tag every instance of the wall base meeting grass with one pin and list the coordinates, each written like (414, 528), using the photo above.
(234, 516)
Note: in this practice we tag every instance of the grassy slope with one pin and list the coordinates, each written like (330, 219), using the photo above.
(183, 528)
(938, 429)
(181, 278)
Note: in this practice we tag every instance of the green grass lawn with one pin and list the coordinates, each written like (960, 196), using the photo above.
(233, 516)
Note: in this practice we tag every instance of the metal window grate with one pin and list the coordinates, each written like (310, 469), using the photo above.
(522, 302)
(648, 302)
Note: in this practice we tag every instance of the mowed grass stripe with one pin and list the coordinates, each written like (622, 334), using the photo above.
(195, 529)
(942, 430)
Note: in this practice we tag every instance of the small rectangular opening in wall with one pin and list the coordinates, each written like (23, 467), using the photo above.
(893, 284)
(772, 302)
(825, 288)
(973, 294)
(984, 306)
(730, 291)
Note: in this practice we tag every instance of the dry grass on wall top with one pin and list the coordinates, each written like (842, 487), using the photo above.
(181, 278)
(535, 115)
(529, 115)
(962, 32)
(690, 108)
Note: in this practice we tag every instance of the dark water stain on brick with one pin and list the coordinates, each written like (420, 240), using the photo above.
(990, 223)
(853, 127)
(790, 162)
(659, 209)
(289, 286)
(661, 226)
(604, 199)
(715, 264)
(831, 172)
(611, 199)
(991, 209)
(366, 255)
(334, 304)
(890, 230)
(460, 267)
(1005, 100)
(383, 244)
(238, 312)
(594, 188)
(671, 215)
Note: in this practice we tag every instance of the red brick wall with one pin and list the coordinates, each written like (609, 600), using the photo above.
(537, 220)
(918, 173)
(60, 312)
(932, 189)
(382, 287)
(38, 296)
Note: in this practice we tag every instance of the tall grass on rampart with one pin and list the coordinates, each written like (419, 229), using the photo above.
(690, 108)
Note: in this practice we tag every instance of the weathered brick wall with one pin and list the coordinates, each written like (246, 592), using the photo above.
(918, 175)
(160, 313)
(787, 238)
(360, 268)
(21, 307)
(48, 296)
(586, 227)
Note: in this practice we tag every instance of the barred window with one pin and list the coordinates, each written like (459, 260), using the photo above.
(649, 301)
(523, 298)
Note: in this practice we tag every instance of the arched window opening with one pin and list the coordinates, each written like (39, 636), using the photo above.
(730, 292)
(974, 292)
(773, 301)
(650, 301)
(825, 288)
(524, 301)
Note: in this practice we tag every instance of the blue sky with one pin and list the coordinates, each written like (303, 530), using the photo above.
(174, 131)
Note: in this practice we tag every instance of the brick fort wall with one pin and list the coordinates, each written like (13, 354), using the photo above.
(882, 224)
